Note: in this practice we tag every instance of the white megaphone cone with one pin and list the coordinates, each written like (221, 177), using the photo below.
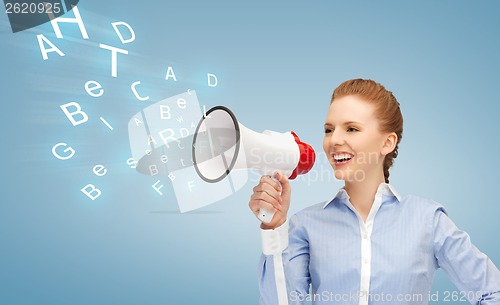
(221, 144)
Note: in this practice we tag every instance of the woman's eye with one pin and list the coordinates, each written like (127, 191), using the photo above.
(351, 129)
(328, 130)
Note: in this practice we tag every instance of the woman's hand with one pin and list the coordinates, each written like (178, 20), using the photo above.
(272, 196)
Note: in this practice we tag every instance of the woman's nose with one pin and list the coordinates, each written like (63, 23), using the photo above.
(336, 138)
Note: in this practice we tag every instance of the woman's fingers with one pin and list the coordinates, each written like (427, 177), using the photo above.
(271, 194)
(263, 196)
(261, 204)
(267, 188)
(272, 182)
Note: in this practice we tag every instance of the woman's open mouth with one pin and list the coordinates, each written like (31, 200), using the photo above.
(341, 159)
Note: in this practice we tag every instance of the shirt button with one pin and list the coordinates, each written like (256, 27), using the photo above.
(365, 236)
(366, 261)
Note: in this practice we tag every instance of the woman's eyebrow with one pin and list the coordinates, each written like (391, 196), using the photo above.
(327, 124)
(353, 122)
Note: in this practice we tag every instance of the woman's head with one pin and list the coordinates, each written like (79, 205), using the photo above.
(363, 129)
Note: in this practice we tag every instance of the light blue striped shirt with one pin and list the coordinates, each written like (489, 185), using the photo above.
(331, 256)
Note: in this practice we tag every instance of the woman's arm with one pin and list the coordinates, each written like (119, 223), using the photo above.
(284, 264)
(469, 269)
(289, 248)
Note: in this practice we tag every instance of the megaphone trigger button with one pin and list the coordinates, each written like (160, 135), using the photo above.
(262, 178)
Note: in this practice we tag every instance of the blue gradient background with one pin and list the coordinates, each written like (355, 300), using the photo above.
(277, 64)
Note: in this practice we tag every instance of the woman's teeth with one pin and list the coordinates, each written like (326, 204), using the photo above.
(342, 157)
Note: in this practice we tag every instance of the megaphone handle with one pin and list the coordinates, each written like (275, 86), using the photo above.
(265, 215)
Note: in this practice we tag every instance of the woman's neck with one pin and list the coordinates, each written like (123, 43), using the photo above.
(362, 193)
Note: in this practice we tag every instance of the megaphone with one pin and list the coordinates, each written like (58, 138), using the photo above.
(221, 145)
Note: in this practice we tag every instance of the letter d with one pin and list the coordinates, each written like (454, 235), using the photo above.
(210, 78)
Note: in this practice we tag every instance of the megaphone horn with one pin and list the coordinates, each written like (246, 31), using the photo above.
(221, 144)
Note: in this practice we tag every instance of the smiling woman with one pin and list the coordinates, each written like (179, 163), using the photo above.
(367, 241)
(363, 99)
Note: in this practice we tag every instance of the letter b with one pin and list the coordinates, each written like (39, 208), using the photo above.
(71, 115)
(93, 193)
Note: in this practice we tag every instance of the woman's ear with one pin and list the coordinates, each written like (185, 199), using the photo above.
(389, 143)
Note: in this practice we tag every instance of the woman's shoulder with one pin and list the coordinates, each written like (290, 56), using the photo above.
(302, 220)
(313, 210)
(421, 203)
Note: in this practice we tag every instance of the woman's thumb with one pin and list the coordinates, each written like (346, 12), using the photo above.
(285, 184)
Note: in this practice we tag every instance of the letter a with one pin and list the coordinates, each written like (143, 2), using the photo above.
(53, 48)
(170, 73)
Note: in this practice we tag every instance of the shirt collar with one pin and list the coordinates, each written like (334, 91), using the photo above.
(383, 189)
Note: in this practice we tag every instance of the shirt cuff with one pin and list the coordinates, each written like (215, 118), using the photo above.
(275, 241)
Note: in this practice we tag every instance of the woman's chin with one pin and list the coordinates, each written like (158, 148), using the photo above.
(340, 174)
(349, 175)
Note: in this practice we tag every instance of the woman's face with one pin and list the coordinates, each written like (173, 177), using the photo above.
(353, 143)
